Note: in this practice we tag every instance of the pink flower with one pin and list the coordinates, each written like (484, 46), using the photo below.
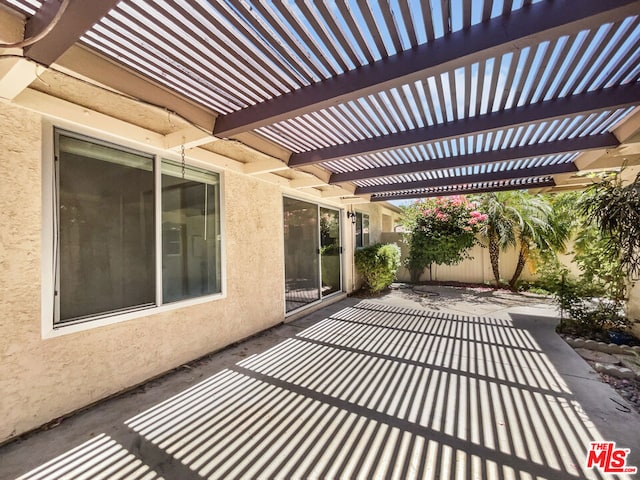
(457, 200)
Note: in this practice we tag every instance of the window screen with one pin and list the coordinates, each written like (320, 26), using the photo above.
(105, 229)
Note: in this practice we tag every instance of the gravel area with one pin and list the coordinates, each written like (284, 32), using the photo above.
(628, 389)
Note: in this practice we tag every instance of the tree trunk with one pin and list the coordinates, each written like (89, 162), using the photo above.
(522, 260)
(415, 275)
(494, 257)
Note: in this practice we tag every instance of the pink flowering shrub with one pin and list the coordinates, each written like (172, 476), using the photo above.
(442, 231)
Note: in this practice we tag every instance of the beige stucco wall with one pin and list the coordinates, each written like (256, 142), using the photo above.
(381, 219)
(43, 379)
(633, 307)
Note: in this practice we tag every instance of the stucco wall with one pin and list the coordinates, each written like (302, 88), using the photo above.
(43, 379)
(633, 307)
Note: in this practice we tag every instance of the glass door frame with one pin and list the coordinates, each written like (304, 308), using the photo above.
(341, 217)
(340, 249)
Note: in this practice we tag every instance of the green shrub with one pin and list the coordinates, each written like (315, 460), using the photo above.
(588, 313)
(378, 265)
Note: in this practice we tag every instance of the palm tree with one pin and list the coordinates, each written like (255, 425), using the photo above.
(538, 226)
(519, 218)
(499, 229)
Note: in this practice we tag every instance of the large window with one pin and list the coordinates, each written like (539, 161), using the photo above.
(106, 230)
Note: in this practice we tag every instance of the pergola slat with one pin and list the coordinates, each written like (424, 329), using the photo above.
(585, 67)
(612, 98)
(337, 32)
(405, 10)
(428, 21)
(467, 91)
(446, 15)
(555, 70)
(515, 59)
(507, 6)
(391, 26)
(490, 39)
(345, 11)
(429, 105)
(452, 94)
(486, 10)
(493, 89)
(539, 72)
(325, 38)
(372, 27)
(419, 106)
(239, 48)
(466, 13)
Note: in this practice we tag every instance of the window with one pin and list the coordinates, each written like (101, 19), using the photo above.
(190, 233)
(362, 229)
(106, 230)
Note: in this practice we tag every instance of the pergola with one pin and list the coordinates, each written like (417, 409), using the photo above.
(367, 100)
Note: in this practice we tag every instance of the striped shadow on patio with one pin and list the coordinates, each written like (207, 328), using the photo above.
(371, 392)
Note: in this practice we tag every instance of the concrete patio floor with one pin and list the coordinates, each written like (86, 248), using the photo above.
(436, 383)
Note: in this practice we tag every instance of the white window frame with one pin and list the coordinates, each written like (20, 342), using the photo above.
(48, 247)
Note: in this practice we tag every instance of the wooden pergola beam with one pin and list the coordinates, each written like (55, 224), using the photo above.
(587, 143)
(474, 178)
(462, 190)
(584, 103)
(79, 16)
(491, 39)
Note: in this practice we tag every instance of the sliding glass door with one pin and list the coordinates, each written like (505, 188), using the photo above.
(302, 283)
(312, 253)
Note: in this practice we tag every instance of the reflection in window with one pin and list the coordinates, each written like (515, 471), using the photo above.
(190, 233)
(362, 229)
